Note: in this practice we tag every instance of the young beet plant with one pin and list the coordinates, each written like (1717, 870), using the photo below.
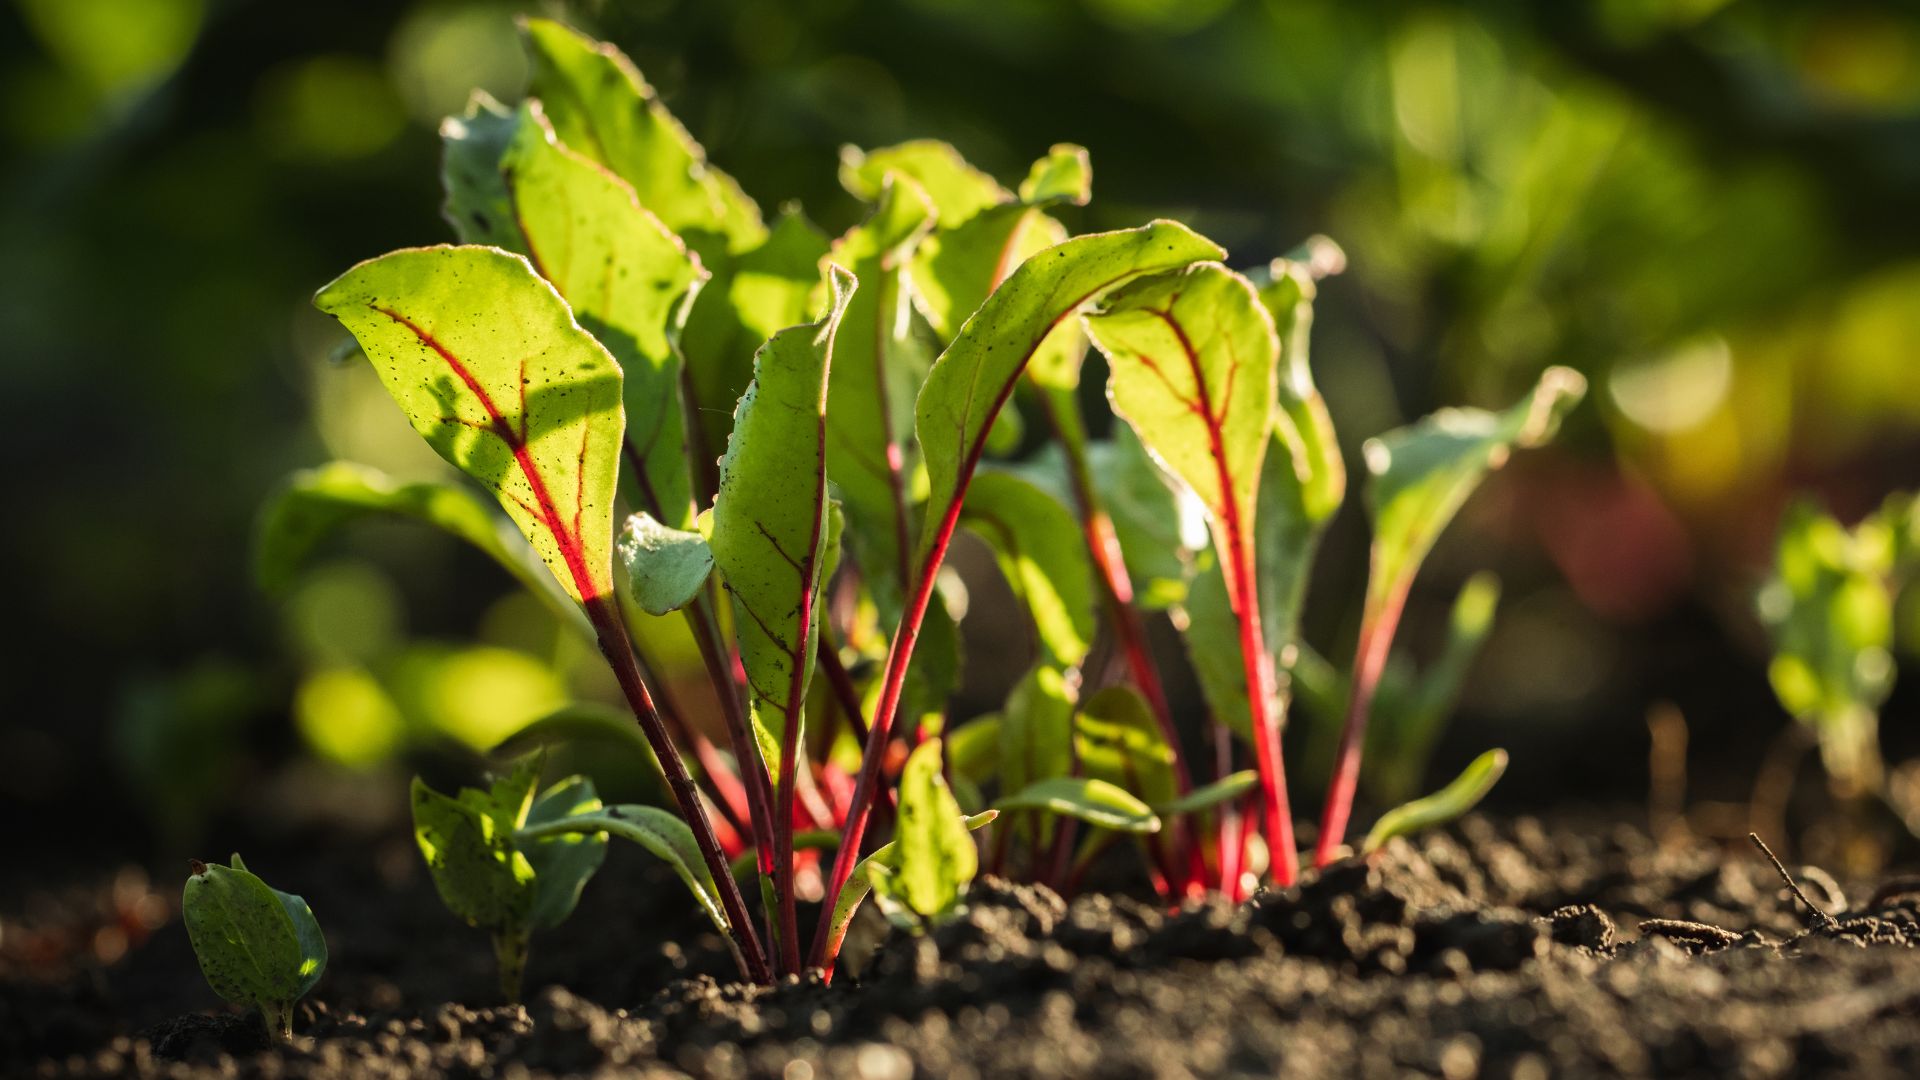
(1829, 607)
(789, 432)
(257, 946)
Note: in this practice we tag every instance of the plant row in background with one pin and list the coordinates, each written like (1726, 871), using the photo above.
(775, 435)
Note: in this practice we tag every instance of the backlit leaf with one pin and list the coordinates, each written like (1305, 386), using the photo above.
(879, 365)
(1095, 802)
(256, 945)
(657, 830)
(860, 882)
(478, 204)
(562, 864)
(1420, 475)
(1117, 739)
(602, 107)
(628, 281)
(490, 368)
(974, 377)
(934, 859)
(770, 520)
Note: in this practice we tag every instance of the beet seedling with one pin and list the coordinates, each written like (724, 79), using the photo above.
(1829, 608)
(496, 869)
(257, 946)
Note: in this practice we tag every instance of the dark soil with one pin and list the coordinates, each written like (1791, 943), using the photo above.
(1504, 949)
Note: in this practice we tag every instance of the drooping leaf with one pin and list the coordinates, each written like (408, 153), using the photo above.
(1095, 802)
(1208, 796)
(665, 567)
(1418, 476)
(1829, 609)
(655, 829)
(770, 520)
(752, 296)
(1447, 804)
(313, 503)
(256, 945)
(957, 190)
(491, 369)
(878, 367)
(629, 282)
(973, 378)
(481, 878)
(860, 882)
(562, 864)
(1036, 729)
(934, 859)
(478, 204)
(1038, 546)
(602, 107)
(1118, 740)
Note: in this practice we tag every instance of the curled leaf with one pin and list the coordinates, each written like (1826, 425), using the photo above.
(1095, 802)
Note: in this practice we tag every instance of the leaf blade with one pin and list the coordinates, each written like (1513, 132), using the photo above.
(491, 369)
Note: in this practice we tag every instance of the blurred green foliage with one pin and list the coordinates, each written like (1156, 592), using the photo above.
(1712, 208)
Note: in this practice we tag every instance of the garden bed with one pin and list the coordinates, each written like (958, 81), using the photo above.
(1499, 948)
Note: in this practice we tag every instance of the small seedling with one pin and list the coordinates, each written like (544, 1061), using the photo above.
(492, 873)
(257, 945)
(1829, 608)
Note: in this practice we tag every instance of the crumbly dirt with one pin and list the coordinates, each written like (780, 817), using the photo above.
(1497, 948)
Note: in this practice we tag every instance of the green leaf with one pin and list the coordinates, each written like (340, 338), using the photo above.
(1036, 729)
(666, 567)
(602, 107)
(1193, 356)
(562, 864)
(1420, 475)
(1208, 796)
(878, 367)
(1117, 740)
(957, 190)
(934, 858)
(1065, 174)
(657, 830)
(1038, 545)
(491, 369)
(629, 282)
(1442, 806)
(770, 520)
(860, 881)
(1095, 802)
(752, 296)
(510, 797)
(256, 945)
(1211, 633)
(973, 378)
(478, 204)
(1829, 610)
(314, 503)
(480, 876)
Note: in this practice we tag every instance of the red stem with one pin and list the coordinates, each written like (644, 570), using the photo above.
(1243, 585)
(891, 685)
(1369, 660)
(617, 647)
(746, 751)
